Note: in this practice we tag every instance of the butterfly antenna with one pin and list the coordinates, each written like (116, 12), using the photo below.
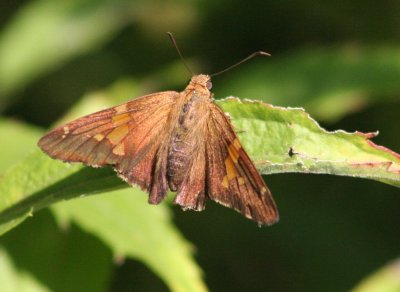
(172, 38)
(255, 54)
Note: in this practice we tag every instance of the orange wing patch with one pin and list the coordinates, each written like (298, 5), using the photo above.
(233, 151)
(120, 122)
(230, 161)
(119, 149)
(120, 119)
(118, 134)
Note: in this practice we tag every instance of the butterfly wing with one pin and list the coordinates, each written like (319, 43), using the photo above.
(232, 178)
(127, 136)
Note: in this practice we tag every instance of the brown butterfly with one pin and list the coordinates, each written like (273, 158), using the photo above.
(170, 140)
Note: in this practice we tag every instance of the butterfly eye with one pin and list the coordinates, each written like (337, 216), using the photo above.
(209, 85)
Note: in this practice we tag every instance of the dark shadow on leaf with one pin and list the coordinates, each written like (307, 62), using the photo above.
(78, 184)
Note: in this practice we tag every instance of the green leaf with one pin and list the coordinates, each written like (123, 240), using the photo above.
(385, 279)
(14, 279)
(288, 140)
(133, 228)
(328, 82)
(57, 30)
(52, 255)
(23, 137)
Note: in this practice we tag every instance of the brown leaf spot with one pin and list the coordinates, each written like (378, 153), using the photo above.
(394, 167)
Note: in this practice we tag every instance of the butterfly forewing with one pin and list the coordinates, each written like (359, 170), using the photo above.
(233, 178)
(127, 136)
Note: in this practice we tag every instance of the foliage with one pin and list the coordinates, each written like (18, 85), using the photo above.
(333, 231)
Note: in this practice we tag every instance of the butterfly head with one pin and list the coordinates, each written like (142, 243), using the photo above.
(200, 83)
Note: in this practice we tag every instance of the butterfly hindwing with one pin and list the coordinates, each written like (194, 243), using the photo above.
(233, 180)
(127, 137)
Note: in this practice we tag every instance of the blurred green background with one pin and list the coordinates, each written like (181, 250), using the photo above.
(339, 60)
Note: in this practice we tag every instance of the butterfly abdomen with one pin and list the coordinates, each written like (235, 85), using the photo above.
(185, 139)
(178, 161)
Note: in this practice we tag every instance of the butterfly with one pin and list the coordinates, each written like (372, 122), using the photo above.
(163, 141)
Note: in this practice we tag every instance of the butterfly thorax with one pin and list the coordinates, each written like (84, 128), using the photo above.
(188, 134)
